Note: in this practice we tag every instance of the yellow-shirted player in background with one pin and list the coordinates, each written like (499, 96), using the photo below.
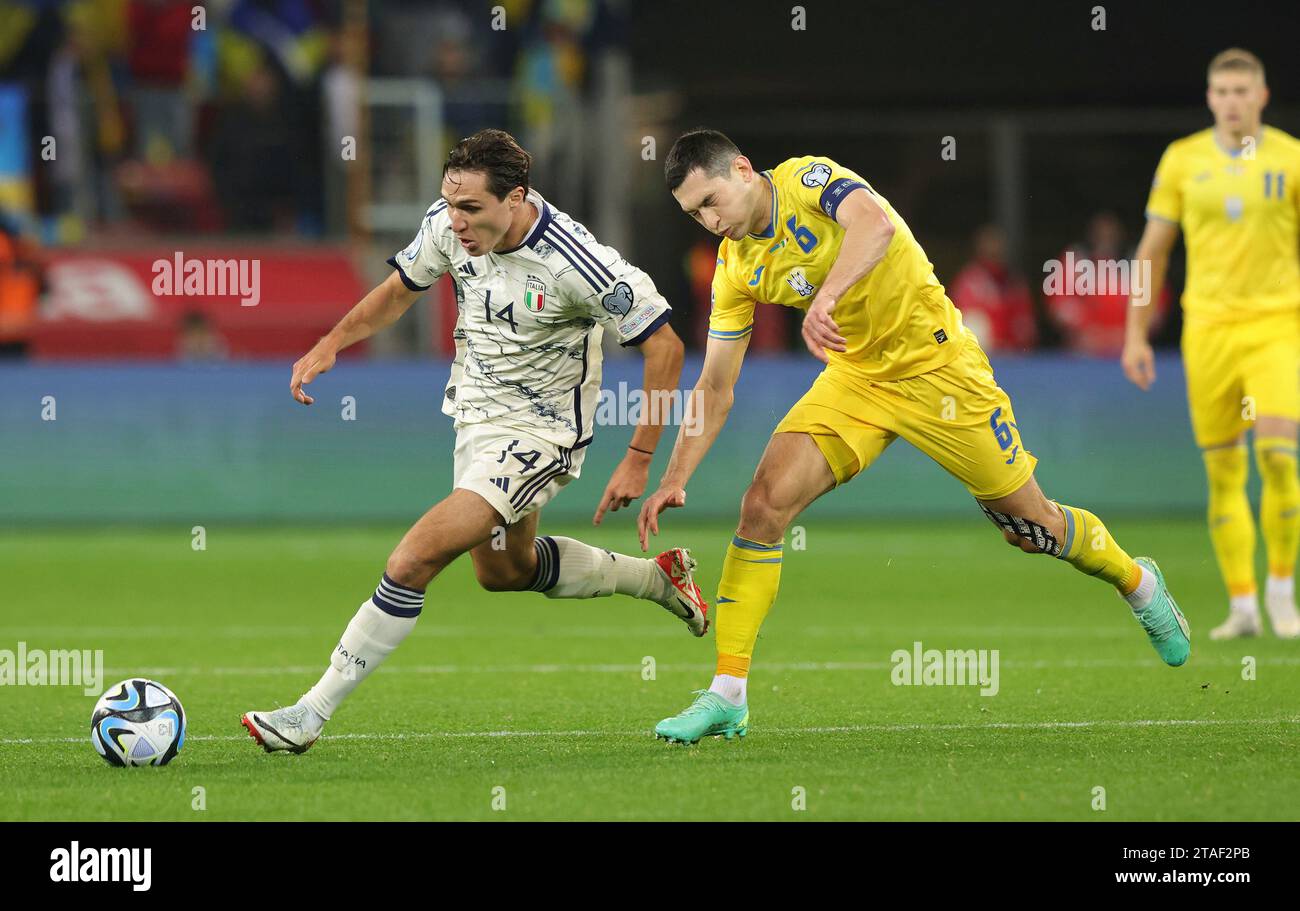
(814, 235)
(1235, 191)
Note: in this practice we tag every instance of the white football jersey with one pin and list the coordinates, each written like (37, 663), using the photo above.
(529, 321)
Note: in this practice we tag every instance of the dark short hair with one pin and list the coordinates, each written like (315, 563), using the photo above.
(709, 150)
(497, 155)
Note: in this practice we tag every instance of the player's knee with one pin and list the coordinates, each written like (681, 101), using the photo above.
(413, 570)
(1227, 471)
(761, 517)
(1277, 466)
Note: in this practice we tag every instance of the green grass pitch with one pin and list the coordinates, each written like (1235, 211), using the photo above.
(547, 700)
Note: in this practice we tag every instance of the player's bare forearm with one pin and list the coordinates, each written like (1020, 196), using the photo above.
(707, 412)
(866, 240)
(380, 308)
(377, 310)
(707, 409)
(867, 235)
(1137, 359)
(1154, 248)
(663, 353)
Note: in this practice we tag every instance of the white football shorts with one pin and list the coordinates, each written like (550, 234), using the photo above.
(515, 473)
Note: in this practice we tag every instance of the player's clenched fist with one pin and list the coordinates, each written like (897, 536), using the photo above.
(820, 330)
(315, 362)
(663, 498)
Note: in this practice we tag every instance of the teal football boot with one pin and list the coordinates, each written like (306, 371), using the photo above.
(708, 716)
(1165, 624)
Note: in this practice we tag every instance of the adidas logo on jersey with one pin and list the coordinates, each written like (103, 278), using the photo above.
(503, 483)
(468, 269)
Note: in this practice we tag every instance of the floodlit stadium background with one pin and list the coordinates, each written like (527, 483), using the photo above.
(236, 140)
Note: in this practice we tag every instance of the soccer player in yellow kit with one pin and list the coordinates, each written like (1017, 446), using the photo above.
(814, 235)
(1233, 190)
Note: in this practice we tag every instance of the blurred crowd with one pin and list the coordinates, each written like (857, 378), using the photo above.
(224, 115)
(152, 117)
(1010, 312)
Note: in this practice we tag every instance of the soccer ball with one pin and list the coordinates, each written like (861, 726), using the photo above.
(138, 722)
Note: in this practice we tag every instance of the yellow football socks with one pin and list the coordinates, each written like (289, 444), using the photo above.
(751, 575)
(1090, 549)
(1279, 508)
(1232, 527)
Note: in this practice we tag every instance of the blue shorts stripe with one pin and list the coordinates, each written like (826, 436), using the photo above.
(526, 493)
(523, 488)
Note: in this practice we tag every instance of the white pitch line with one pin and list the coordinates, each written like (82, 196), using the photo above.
(838, 729)
(775, 667)
(549, 631)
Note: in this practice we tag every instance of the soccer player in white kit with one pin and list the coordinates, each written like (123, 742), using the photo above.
(534, 293)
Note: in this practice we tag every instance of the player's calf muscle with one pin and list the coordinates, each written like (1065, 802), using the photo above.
(1026, 508)
(513, 574)
(507, 561)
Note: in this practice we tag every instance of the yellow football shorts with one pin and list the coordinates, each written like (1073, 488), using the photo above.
(956, 414)
(1237, 372)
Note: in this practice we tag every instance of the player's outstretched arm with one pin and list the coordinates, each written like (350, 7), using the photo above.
(663, 352)
(1138, 360)
(867, 234)
(378, 309)
(706, 412)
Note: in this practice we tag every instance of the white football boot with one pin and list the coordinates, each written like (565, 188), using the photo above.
(294, 728)
(686, 602)
(1282, 615)
(1239, 625)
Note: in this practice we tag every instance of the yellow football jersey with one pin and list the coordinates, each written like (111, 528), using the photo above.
(898, 321)
(1239, 217)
